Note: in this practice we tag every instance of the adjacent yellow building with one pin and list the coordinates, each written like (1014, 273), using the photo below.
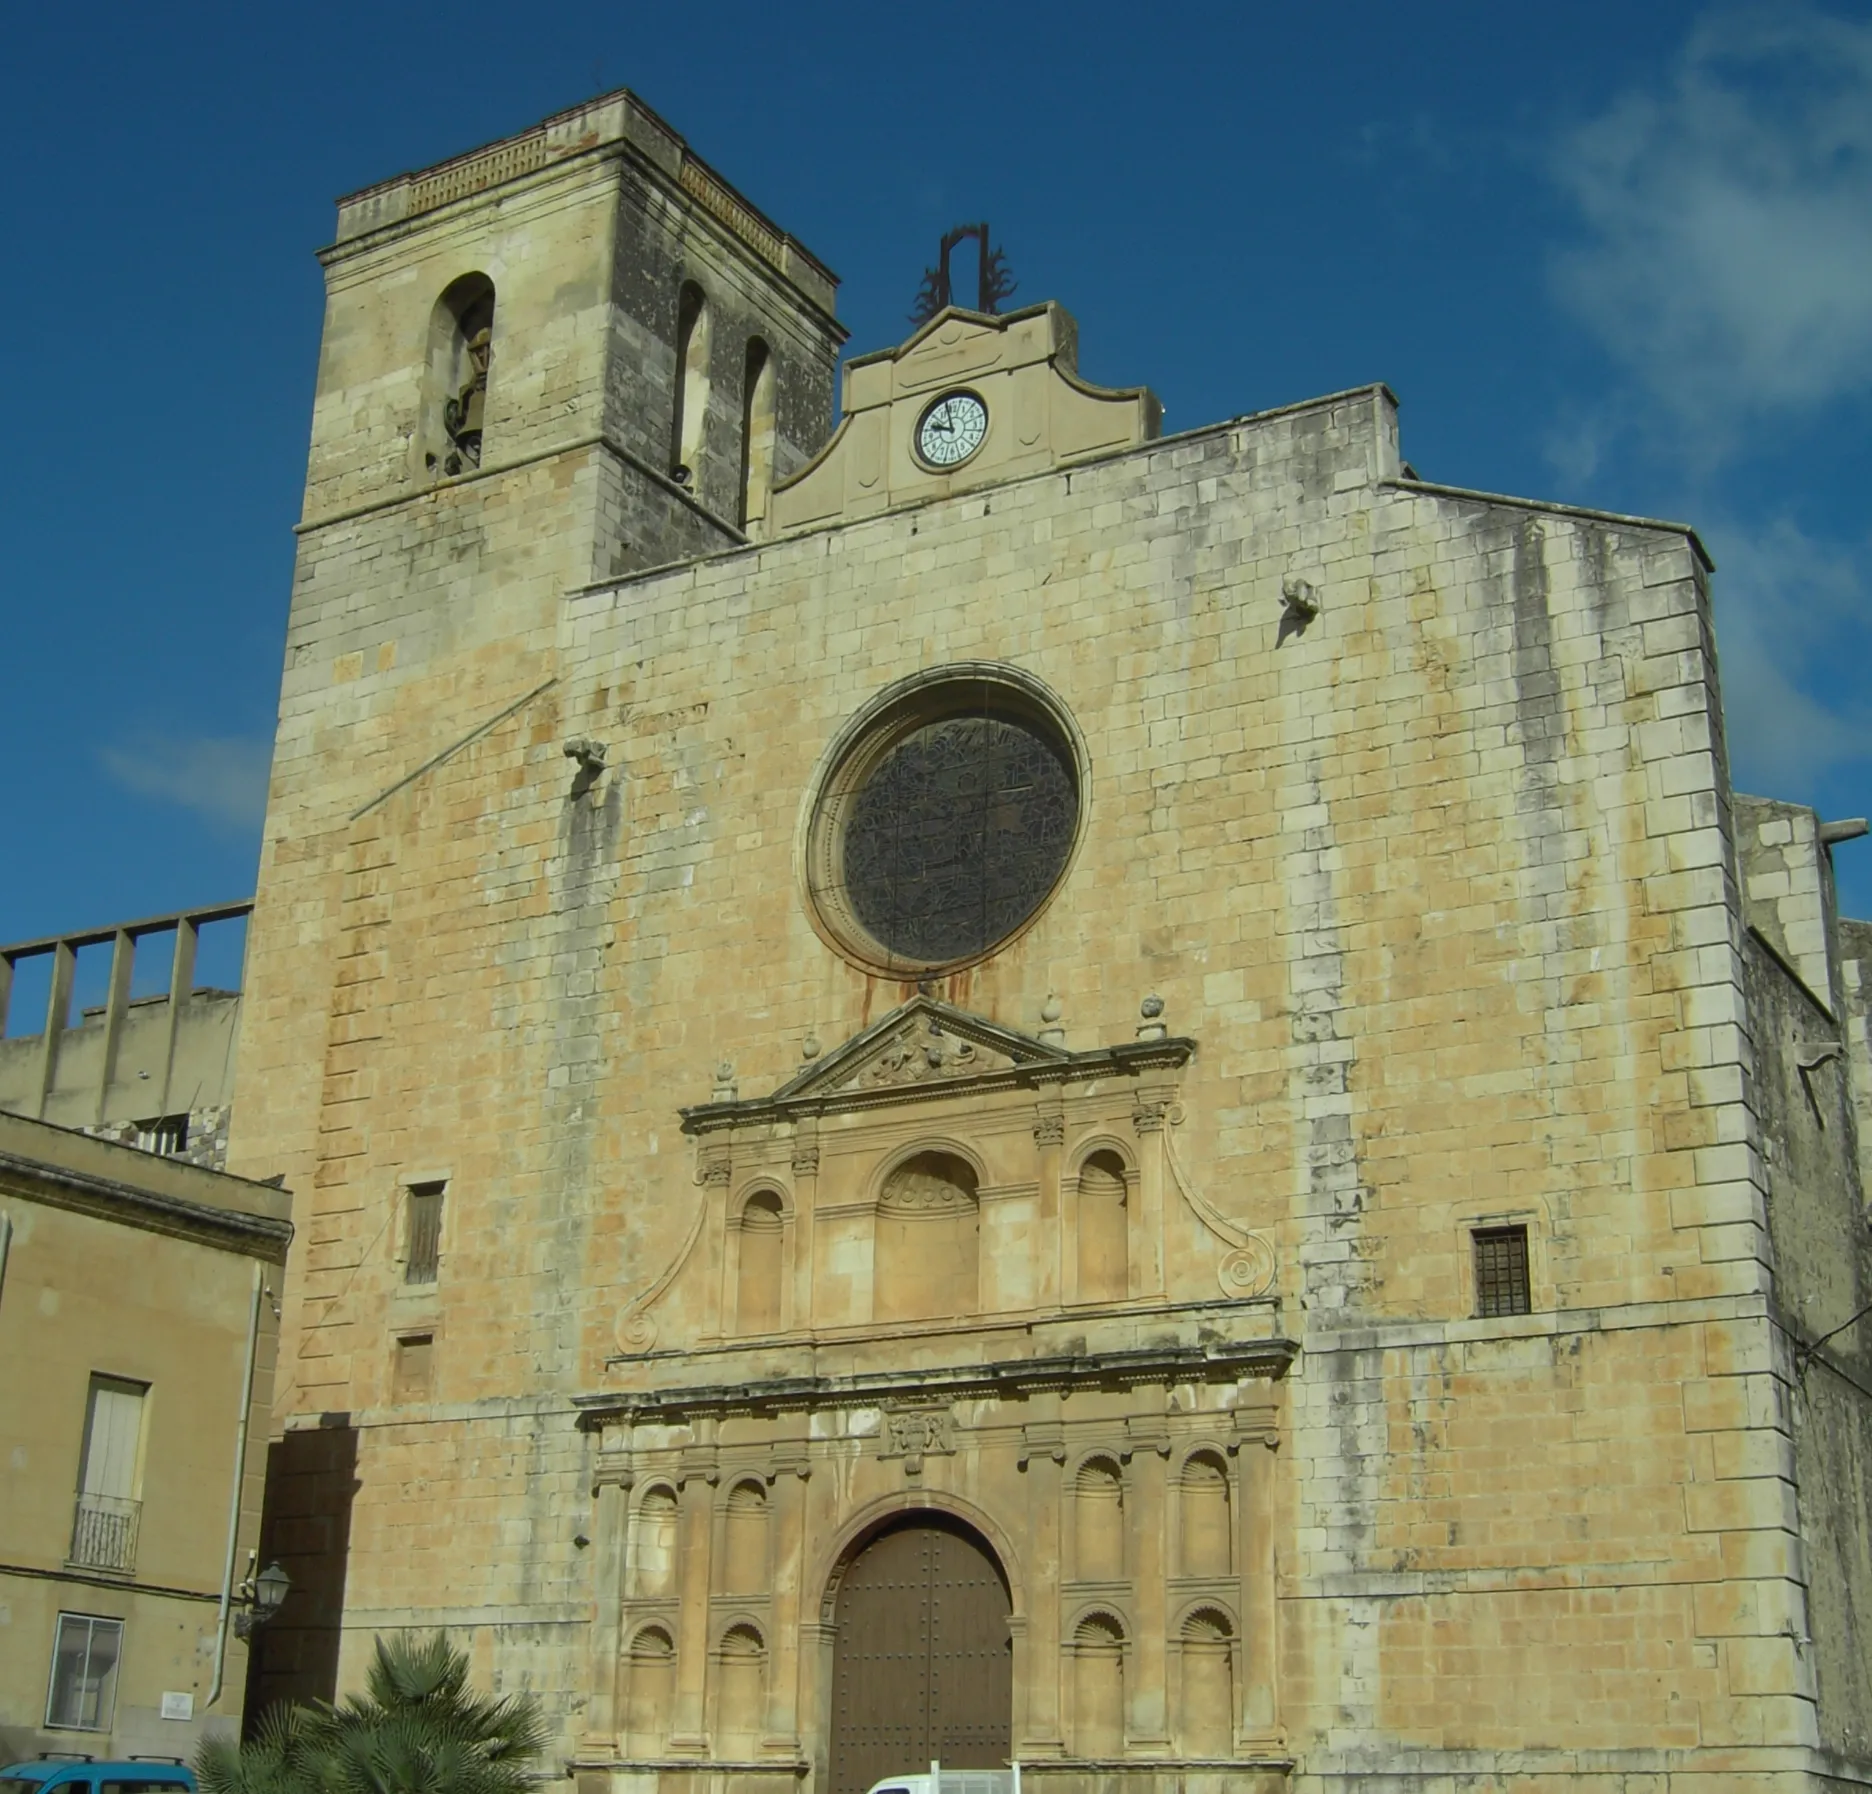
(138, 1328)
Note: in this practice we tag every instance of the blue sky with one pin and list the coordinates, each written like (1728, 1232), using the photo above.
(1614, 255)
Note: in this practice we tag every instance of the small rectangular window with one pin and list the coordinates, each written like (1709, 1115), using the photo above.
(414, 1373)
(425, 1233)
(1501, 1271)
(84, 1673)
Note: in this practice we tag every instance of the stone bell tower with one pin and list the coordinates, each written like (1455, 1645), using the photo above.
(585, 310)
(564, 357)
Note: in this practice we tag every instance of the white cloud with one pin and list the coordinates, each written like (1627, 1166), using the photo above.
(1576, 440)
(1728, 251)
(1793, 621)
(224, 780)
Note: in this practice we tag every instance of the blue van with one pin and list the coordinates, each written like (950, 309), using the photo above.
(92, 1775)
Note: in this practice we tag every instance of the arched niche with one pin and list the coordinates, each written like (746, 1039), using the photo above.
(688, 425)
(651, 1548)
(927, 1262)
(1098, 1521)
(741, 1698)
(1098, 1686)
(745, 1542)
(651, 1671)
(455, 386)
(757, 431)
(1205, 1516)
(1206, 1684)
(760, 1263)
(1103, 1228)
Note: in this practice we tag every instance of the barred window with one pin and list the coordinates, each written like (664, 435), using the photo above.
(165, 1134)
(425, 1233)
(1501, 1271)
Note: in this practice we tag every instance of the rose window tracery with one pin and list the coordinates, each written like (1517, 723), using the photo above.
(945, 826)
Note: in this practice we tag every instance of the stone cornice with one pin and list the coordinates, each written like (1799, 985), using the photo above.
(1006, 1378)
(613, 127)
(134, 1205)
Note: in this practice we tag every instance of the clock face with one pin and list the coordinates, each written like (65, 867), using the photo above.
(952, 429)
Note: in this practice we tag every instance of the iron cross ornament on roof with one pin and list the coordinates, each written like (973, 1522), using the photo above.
(995, 280)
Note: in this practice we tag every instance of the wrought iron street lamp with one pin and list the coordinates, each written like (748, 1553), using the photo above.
(260, 1597)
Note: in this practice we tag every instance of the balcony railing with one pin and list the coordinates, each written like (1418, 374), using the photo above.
(104, 1533)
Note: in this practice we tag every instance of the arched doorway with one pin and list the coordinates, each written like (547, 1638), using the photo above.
(922, 1663)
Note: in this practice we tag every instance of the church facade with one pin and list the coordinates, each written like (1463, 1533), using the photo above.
(985, 1086)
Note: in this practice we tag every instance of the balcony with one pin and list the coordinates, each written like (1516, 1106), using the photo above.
(104, 1533)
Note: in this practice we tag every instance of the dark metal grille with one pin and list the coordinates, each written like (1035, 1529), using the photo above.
(104, 1532)
(425, 1233)
(958, 835)
(166, 1134)
(1501, 1270)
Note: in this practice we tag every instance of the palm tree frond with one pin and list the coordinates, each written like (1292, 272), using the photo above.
(417, 1729)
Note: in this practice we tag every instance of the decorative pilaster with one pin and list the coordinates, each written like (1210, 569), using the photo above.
(805, 1208)
(716, 1173)
(610, 1507)
(1043, 1458)
(1049, 1132)
(1260, 1654)
(789, 1569)
(1148, 1725)
(1148, 1112)
(695, 1546)
(817, 1637)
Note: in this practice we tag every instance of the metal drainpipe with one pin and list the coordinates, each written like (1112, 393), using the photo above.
(234, 1495)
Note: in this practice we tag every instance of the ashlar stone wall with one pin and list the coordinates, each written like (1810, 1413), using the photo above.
(1432, 869)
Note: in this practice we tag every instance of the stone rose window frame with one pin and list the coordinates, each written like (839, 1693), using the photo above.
(887, 758)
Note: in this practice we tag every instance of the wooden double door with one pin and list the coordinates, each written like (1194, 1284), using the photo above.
(923, 1663)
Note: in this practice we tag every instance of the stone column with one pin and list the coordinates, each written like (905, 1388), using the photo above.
(820, 1503)
(1043, 1457)
(601, 1736)
(58, 1013)
(1147, 1225)
(1260, 1656)
(788, 1545)
(1148, 1726)
(817, 1638)
(799, 1311)
(116, 1008)
(717, 1173)
(181, 983)
(695, 1546)
(1049, 1136)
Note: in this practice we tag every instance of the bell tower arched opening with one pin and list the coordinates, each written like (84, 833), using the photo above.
(461, 337)
(922, 1660)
